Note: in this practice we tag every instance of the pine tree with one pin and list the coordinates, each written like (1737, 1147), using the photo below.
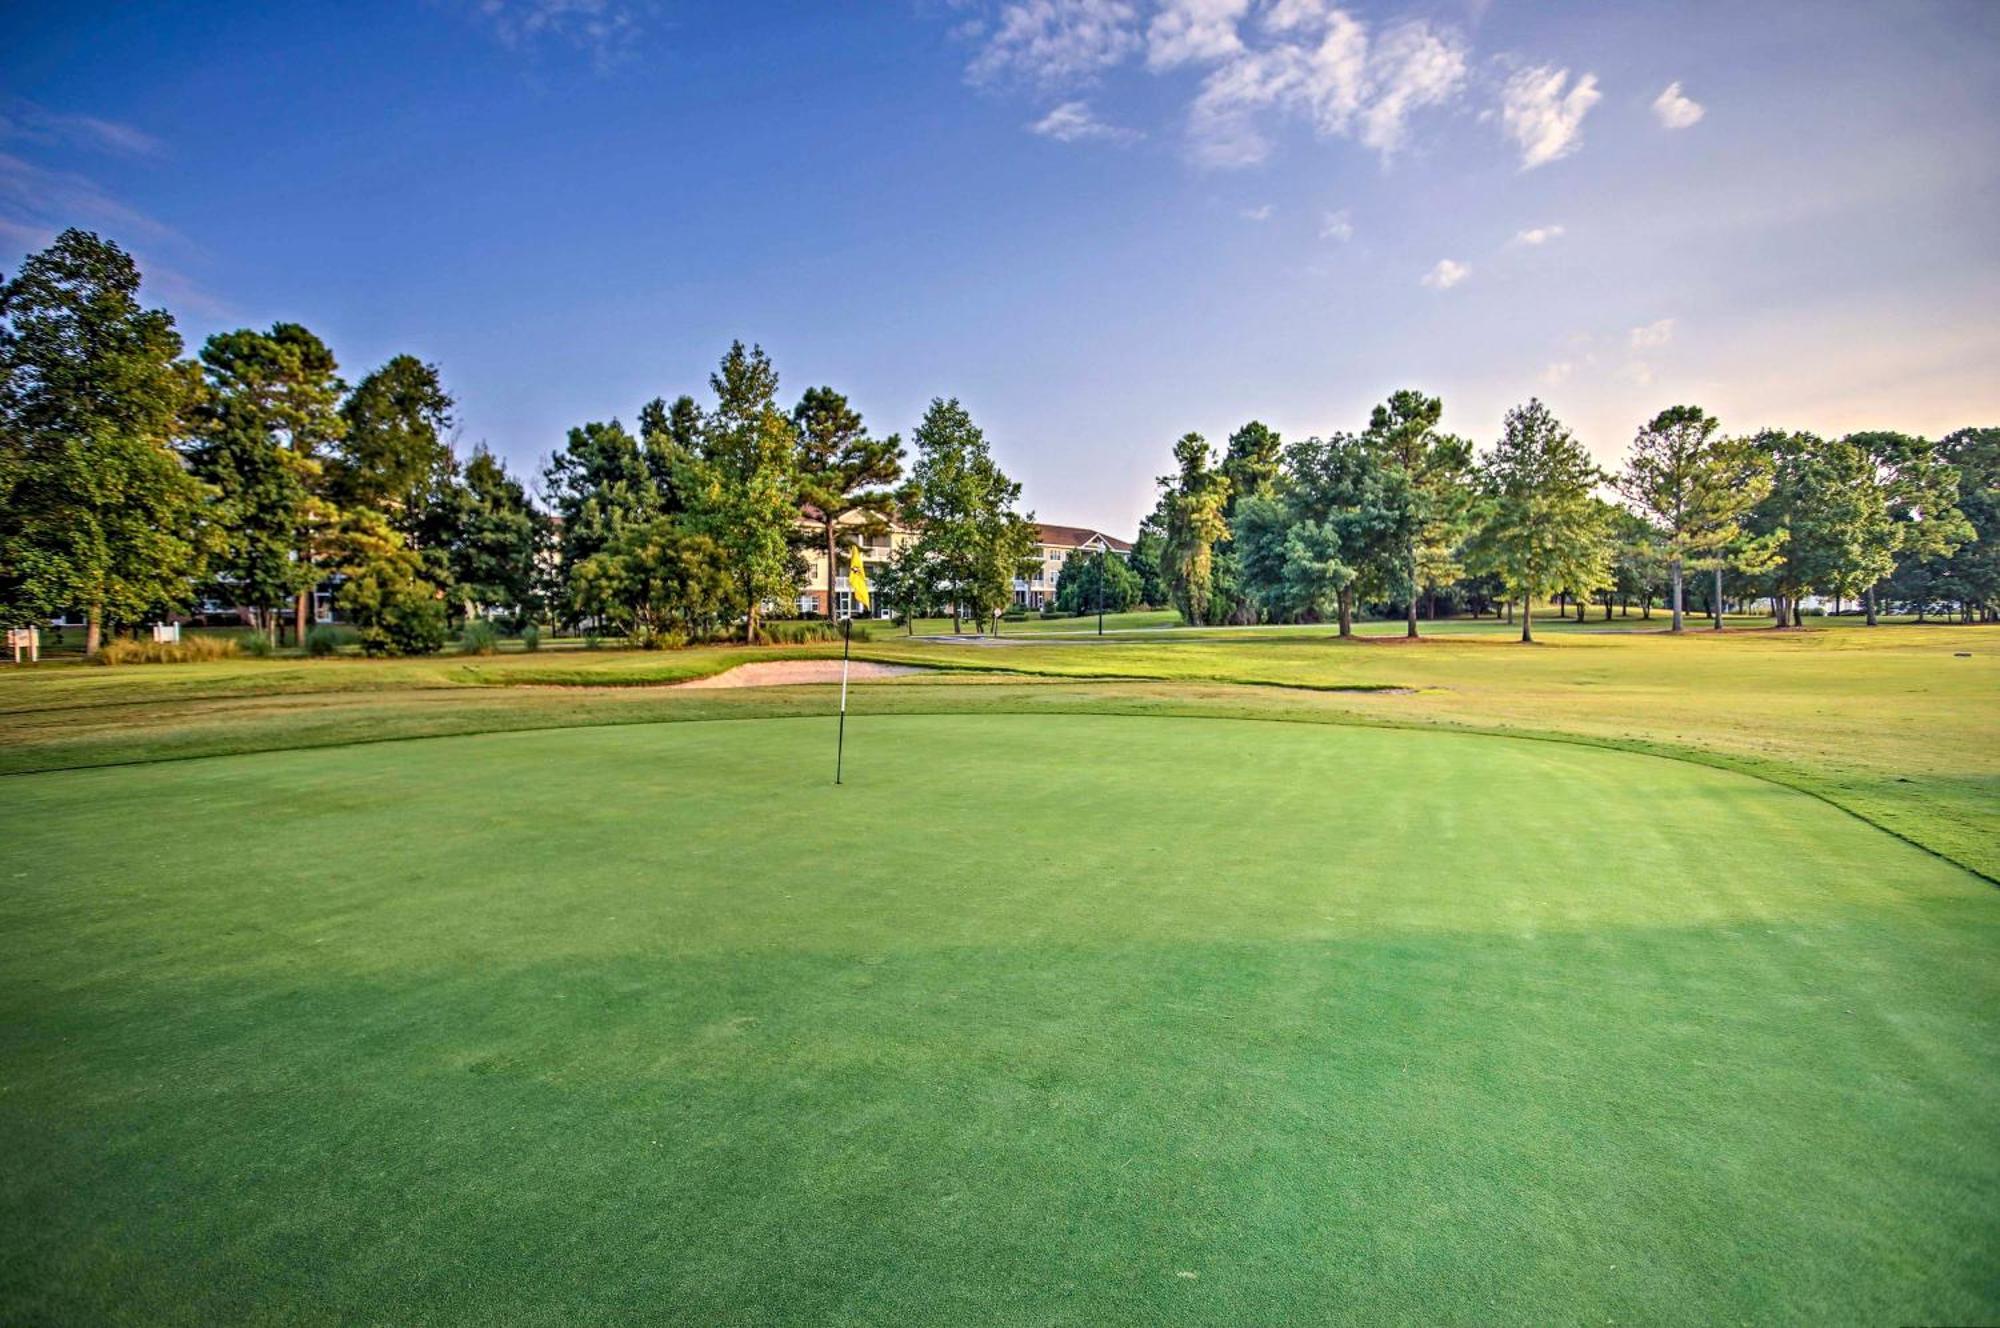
(843, 473)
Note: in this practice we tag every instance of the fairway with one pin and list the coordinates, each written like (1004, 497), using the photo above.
(1073, 1019)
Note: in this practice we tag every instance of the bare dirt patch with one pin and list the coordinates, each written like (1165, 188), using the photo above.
(792, 672)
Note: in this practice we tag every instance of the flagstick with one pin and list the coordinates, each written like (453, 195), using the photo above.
(840, 744)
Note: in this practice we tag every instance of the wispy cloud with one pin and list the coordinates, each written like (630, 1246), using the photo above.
(1558, 373)
(1446, 274)
(1186, 30)
(1675, 110)
(1543, 112)
(604, 30)
(1323, 66)
(1538, 235)
(1653, 335)
(1074, 122)
(22, 119)
(39, 201)
(1337, 226)
(1055, 43)
(1262, 212)
(35, 195)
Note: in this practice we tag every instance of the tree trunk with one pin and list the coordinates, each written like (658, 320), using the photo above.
(1413, 591)
(1674, 568)
(831, 550)
(299, 616)
(93, 632)
(1868, 599)
(1798, 612)
(1718, 597)
(1607, 609)
(1510, 611)
(1347, 611)
(1527, 620)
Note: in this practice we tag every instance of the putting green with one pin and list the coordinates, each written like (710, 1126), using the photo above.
(1087, 1020)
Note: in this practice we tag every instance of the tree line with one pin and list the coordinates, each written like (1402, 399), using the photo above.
(136, 482)
(1401, 513)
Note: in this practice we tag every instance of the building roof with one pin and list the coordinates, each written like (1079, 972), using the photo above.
(1072, 537)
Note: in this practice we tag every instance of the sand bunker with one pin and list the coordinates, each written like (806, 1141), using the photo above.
(791, 672)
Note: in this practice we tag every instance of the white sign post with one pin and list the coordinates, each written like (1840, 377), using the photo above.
(25, 641)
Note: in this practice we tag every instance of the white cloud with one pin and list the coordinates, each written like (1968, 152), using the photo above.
(1446, 274)
(1262, 212)
(1075, 122)
(1291, 15)
(1191, 30)
(1326, 71)
(1638, 372)
(605, 30)
(25, 120)
(1676, 111)
(1414, 66)
(1337, 226)
(1538, 235)
(1049, 43)
(1558, 373)
(1546, 120)
(1653, 334)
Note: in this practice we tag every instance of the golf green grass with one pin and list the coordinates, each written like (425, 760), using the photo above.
(1082, 1019)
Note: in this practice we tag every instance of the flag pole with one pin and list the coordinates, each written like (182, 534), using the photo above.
(840, 743)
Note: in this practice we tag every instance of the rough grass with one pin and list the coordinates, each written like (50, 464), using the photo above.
(187, 650)
(1096, 1020)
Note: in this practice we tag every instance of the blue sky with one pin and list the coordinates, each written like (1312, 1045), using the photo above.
(1100, 223)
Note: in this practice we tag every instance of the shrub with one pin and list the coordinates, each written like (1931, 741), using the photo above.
(531, 637)
(187, 650)
(478, 637)
(592, 641)
(651, 638)
(322, 641)
(255, 644)
(805, 631)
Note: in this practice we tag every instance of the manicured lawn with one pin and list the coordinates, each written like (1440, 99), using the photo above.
(1900, 724)
(1079, 1019)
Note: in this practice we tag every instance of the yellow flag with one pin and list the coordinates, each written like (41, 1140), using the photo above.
(857, 577)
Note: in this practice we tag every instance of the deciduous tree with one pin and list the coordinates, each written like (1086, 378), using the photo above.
(1432, 470)
(656, 581)
(97, 512)
(746, 483)
(1545, 529)
(969, 537)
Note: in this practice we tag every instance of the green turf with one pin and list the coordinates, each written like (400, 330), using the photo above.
(1075, 1020)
